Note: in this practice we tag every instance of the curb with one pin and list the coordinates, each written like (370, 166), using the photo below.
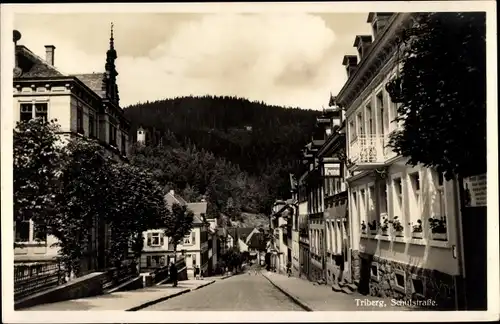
(293, 298)
(156, 301)
(226, 277)
(152, 302)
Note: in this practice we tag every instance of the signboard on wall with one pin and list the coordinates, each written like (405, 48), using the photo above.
(475, 191)
(332, 169)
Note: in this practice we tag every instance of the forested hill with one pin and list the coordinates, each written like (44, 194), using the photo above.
(261, 140)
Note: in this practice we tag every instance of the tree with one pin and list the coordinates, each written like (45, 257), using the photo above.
(135, 204)
(178, 224)
(81, 202)
(442, 94)
(37, 156)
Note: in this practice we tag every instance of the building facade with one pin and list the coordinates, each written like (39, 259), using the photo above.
(403, 220)
(83, 105)
(159, 251)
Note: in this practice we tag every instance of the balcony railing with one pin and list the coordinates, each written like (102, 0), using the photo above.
(370, 150)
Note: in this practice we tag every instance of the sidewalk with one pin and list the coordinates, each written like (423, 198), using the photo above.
(322, 298)
(126, 300)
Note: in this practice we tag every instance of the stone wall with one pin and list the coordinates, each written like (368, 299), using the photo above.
(355, 265)
(435, 285)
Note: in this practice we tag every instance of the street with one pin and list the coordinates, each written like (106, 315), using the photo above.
(241, 292)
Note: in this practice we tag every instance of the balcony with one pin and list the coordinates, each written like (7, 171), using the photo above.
(368, 152)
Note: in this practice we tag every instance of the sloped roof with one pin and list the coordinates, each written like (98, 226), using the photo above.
(231, 231)
(173, 198)
(257, 241)
(244, 232)
(93, 81)
(198, 208)
(197, 220)
(33, 66)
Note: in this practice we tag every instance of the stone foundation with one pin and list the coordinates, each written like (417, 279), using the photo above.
(435, 285)
(355, 265)
(316, 273)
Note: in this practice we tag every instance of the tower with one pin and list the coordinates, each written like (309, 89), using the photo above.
(109, 79)
(141, 136)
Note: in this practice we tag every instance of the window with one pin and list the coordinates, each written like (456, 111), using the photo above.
(440, 195)
(371, 203)
(22, 229)
(382, 113)
(415, 190)
(39, 232)
(369, 120)
(187, 239)
(92, 125)
(398, 195)
(39, 109)
(124, 144)
(418, 286)
(383, 197)
(154, 239)
(352, 130)
(400, 280)
(193, 257)
(362, 204)
(26, 112)
(79, 119)
(148, 261)
(193, 238)
(360, 124)
(112, 134)
(374, 271)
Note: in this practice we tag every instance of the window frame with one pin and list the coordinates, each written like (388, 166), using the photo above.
(155, 235)
(33, 111)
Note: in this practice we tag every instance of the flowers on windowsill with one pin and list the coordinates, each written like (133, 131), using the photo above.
(397, 226)
(417, 230)
(363, 227)
(438, 228)
(384, 226)
(373, 227)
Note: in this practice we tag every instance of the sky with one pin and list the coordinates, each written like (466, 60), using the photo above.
(290, 59)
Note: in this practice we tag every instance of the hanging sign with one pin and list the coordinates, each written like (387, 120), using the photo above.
(475, 191)
(332, 169)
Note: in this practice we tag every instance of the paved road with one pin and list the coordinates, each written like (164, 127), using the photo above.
(239, 293)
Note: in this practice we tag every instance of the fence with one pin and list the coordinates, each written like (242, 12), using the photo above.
(118, 275)
(30, 279)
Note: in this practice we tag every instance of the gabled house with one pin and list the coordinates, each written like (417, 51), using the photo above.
(159, 251)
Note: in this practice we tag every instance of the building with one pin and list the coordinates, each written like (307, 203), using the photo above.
(395, 248)
(303, 227)
(84, 105)
(331, 157)
(295, 241)
(159, 251)
(278, 245)
(244, 234)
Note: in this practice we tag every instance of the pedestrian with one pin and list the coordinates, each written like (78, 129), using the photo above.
(196, 272)
(173, 274)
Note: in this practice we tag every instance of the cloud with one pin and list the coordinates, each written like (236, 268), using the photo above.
(287, 59)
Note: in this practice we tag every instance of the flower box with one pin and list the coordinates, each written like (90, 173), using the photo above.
(398, 233)
(373, 232)
(417, 235)
(385, 233)
(439, 236)
(363, 231)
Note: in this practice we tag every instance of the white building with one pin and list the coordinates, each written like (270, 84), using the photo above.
(399, 258)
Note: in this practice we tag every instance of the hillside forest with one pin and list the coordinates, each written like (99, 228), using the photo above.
(235, 153)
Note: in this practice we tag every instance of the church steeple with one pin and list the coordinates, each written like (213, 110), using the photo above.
(111, 73)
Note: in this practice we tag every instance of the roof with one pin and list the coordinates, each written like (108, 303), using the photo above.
(198, 208)
(257, 241)
(362, 39)
(173, 198)
(244, 232)
(197, 220)
(93, 81)
(33, 66)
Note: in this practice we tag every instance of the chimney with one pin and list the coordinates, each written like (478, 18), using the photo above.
(49, 54)
(379, 21)
(350, 62)
(362, 43)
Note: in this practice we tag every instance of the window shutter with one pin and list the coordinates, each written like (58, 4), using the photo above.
(162, 238)
(150, 235)
(193, 237)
